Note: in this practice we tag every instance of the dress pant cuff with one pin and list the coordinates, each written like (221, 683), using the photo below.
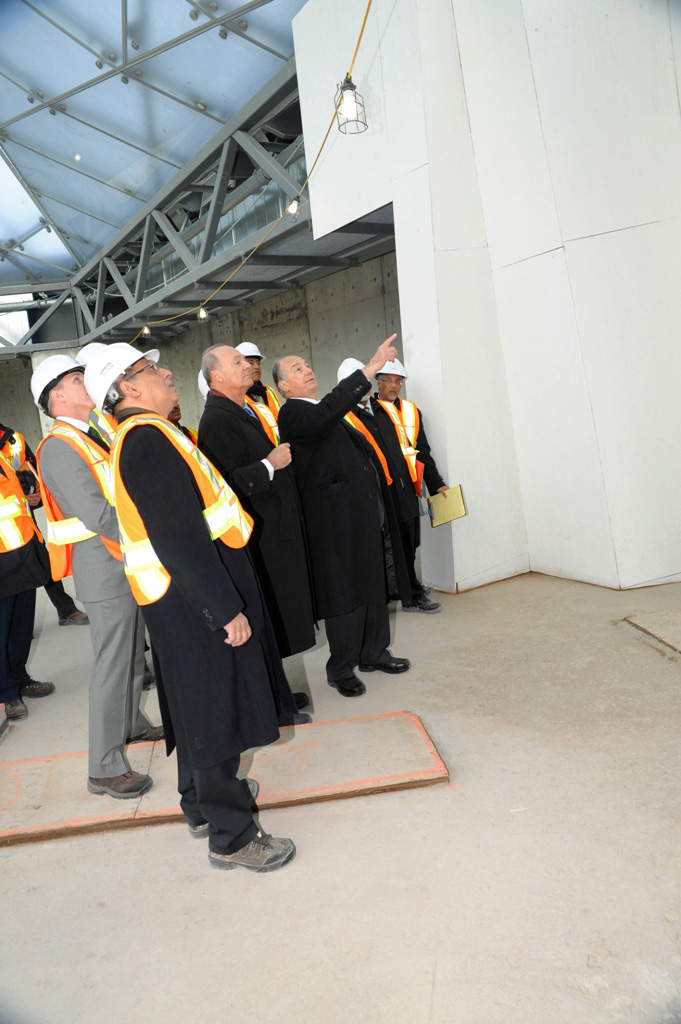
(236, 845)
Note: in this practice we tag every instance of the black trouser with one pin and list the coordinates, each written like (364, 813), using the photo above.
(16, 629)
(358, 637)
(216, 796)
(408, 532)
(60, 599)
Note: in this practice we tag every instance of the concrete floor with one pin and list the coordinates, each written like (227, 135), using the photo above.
(541, 886)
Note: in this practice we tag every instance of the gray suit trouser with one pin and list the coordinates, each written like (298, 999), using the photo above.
(117, 634)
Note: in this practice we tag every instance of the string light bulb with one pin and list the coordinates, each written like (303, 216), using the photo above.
(202, 314)
(350, 108)
(146, 333)
(293, 210)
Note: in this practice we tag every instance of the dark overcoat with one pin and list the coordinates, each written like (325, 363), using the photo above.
(236, 444)
(402, 489)
(215, 700)
(340, 493)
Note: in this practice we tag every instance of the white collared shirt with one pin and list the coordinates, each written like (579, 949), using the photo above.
(80, 424)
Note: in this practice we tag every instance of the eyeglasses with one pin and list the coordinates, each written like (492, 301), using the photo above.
(150, 366)
(391, 380)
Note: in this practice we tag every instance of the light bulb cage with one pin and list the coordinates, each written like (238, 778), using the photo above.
(350, 125)
(292, 212)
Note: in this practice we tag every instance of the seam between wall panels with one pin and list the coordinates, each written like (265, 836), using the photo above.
(500, 344)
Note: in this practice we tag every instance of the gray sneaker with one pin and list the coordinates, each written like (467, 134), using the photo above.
(263, 853)
(201, 831)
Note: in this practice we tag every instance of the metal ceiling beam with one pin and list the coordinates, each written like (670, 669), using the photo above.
(175, 239)
(267, 260)
(217, 264)
(118, 69)
(259, 157)
(222, 177)
(367, 228)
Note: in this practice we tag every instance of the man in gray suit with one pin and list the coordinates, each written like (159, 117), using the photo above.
(73, 463)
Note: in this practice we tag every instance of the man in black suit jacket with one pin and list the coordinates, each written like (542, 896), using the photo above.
(234, 436)
(344, 517)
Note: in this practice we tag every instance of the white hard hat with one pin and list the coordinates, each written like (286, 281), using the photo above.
(50, 371)
(347, 367)
(395, 367)
(247, 348)
(204, 386)
(86, 353)
(105, 367)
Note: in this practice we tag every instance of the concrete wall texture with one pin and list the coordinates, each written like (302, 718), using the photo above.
(532, 153)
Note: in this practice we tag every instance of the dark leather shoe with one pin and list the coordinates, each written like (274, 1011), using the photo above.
(349, 687)
(294, 718)
(74, 619)
(392, 665)
(150, 735)
(301, 699)
(422, 604)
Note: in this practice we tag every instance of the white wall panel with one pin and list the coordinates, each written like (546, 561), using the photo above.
(626, 293)
(566, 513)
(605, 82)
(515, 184)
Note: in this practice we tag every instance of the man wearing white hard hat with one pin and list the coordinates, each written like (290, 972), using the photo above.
(219, 676)
(103, 424)
(343, 512)
(258, 391)
(401, 425)
(82, 539)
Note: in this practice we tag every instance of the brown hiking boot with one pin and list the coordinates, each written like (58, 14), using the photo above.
(122, 787)
(15, 709)
(150, 735)
(263, 853)
(36, 689)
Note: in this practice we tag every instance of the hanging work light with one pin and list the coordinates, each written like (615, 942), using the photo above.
(293, 210)
(350, 108)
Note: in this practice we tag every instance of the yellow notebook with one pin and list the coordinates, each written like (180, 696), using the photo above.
(443, 508)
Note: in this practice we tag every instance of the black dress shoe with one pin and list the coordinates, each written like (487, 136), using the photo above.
(290, 718)
(301, 699)
(349, 687)
(393, 665)
(422, 604)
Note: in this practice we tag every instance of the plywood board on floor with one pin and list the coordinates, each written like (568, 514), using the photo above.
(44, 798)
(664, 626)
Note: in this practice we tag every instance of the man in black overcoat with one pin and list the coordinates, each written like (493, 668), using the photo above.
(233, 437)
(344, 516)
(220, 680)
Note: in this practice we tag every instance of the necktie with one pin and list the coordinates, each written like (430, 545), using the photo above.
(97, 438)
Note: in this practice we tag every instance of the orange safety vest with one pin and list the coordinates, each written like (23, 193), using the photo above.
(17, 526)
(63, 533)
(267, 419)
(274, 401)
(354, 421)
(14, 452)
(406, 421)
(105, 424)
(224, 516)
(190, 433)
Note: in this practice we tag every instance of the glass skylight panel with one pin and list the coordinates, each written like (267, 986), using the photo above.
(144, 117)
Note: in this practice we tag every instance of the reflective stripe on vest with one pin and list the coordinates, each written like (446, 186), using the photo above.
(16, 522)
(15, 451)
(274, 401)
(224, 516)
(406, 444)
(267, 419)
(104, 424)
(354, 421)
(63, 533)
